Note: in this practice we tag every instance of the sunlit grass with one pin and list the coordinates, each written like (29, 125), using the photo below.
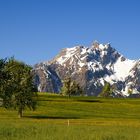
(84, 118)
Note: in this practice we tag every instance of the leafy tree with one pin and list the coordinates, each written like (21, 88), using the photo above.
(71, 88)
(76, 89)
(19, 91)
(106, 91)
(4, 84)
(66, 89)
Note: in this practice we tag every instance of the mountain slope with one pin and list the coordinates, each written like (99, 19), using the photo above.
(90, 67)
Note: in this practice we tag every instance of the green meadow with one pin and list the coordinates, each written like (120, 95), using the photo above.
(78, 118)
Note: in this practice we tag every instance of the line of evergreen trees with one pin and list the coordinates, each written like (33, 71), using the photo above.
(71, 88)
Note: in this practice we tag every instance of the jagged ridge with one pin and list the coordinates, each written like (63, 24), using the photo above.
(90, 67)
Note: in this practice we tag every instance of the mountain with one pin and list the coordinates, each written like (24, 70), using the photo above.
(91, 67)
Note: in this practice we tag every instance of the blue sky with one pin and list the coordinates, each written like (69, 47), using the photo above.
(36, 30)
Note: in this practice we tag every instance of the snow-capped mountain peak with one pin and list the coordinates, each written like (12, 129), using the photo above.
(90, 67)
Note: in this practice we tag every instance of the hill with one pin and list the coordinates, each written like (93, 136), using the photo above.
(88, 117)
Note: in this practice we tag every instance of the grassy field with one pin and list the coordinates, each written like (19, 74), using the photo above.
(84, 118)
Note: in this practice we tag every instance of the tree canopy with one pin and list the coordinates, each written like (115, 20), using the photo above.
(70, 88)
(17, 88)
(106, 91)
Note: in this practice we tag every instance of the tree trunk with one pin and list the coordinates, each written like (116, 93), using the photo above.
(20, 113)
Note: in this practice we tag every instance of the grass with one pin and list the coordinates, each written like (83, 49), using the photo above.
(89, 118)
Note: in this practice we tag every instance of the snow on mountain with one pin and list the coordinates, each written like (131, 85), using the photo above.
(90, 67)
(121, 69)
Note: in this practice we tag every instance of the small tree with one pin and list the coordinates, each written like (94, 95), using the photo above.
(66, 89)
(71, 88)
(19, 92)
(76, 89)
(106, 91)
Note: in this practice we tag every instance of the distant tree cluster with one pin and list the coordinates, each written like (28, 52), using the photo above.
(106, 91)
(70, 88)
(17, 89)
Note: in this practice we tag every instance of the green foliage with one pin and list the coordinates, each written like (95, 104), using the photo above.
(76, 89)
(3, 75)
(18, 91)
(5, 86)
(71, 88)
(106, 91)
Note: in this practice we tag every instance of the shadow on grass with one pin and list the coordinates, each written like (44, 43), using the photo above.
(52, 100)
(90, 101)
(72, 100)
(51, 117)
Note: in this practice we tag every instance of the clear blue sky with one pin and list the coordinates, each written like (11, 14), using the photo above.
(36, 30)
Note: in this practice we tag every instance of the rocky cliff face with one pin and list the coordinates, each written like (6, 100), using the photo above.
(90, 67)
